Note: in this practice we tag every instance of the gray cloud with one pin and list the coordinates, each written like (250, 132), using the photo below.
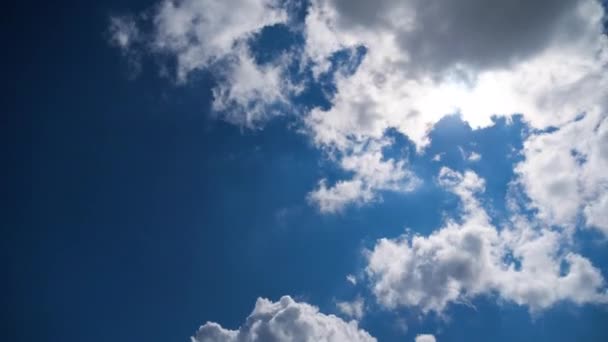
(478, 34)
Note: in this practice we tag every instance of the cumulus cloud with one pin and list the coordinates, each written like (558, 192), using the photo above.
(213, 36)
(246, 92)
(425, 338)
(371, 174)
(285, 320)
(425, 60)
(470, 257)
(596, 213)
(200, 32)
(564, 172)
(428, 59)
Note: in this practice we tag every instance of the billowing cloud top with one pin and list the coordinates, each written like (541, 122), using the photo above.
(285, 320)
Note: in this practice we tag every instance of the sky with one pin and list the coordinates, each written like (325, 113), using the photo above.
(323, 170)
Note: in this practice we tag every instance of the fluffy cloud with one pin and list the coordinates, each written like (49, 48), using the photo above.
(425, 338)
(596, 212)
(285, 320)
(200, 32)
(428, 59)
(212, 35)
(470, 257)
(425, 60)
(564, 172)
(371, 173)
(246, 92)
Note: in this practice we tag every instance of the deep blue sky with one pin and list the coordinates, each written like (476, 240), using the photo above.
(134, 216)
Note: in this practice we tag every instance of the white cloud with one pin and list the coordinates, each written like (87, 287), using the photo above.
(474, 157)
(246, 91)
(596, 212)
(351, 279)
(354, 309)
(417, 71)
(469, 156)
(425, 338)
(423, 60)
(212, 35)
(200, 32)
(520, 263)
(371, 174)
(285, 320)
(550, 68)
(564, 172)
(203, 33)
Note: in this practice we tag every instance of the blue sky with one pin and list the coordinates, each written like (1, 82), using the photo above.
(174, 162)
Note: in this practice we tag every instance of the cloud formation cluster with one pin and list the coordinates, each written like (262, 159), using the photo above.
(423, 60)
(519, 263)
(543, 59)
(212, 35)
(546, 60)
(429, 59)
